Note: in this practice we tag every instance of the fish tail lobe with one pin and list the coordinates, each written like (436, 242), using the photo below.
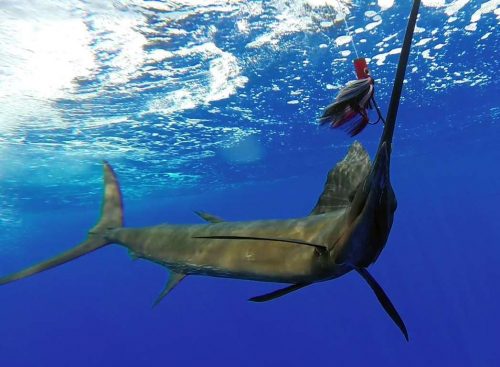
(111, 217)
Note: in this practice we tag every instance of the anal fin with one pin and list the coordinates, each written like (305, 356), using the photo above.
(279, 293)
(173, 280)
(209, 217)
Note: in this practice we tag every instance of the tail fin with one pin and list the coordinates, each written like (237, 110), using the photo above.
(111, 217)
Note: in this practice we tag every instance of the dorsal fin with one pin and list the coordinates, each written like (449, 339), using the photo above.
(209, 217)
(343, 179)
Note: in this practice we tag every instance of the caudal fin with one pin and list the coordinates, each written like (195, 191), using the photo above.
(111, 217)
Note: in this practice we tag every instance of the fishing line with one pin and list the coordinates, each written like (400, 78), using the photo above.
(342, 9)
(350, 34)
(379, 113)
(350, 108)
(348, 30)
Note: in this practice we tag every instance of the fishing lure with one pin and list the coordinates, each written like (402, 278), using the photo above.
(349, 110)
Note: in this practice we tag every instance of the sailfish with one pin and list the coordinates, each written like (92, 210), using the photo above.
(346, 230)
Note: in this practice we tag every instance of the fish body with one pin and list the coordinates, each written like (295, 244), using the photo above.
(346, 230)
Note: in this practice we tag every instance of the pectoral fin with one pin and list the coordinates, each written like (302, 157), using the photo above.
(278, 293)
(384, 300)
(319, 248)
(173, 280)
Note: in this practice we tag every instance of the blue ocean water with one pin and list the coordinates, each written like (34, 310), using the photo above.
(214, 107)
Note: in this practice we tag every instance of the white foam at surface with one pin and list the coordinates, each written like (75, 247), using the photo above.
(56, 45)
(382, 56)
(44, 50)
(485, 8)
(471, 27)
(243, 26)
(295, 16)
(385, 4)
(121, 39)
(333, 3)
(372, 25)
(220, 81)
(288, 24)
(434, 3)
(225, 77)
(175, 101)
(423, 41)
(455, 6)
(41, 59)
(426, 54)
(343, 40)
(158, 55)
(388, 38)
(291, 18)
(476, 16)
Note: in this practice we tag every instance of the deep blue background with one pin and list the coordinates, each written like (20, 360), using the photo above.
(440, 266)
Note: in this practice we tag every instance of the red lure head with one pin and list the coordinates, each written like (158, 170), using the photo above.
(361, 68)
